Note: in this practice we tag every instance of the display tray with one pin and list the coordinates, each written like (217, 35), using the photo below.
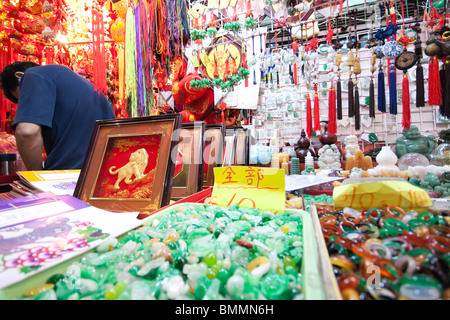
(370, 259)
(329, 283)
(309, 268)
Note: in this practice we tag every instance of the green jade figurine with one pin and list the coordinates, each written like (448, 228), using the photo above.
(413, 141)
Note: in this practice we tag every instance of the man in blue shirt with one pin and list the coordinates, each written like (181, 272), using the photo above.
(56, 109)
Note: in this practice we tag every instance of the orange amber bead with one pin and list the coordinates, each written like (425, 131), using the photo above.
(331, 230)
(422, 231)
(446, 293)
(350, 294)
(328, 220)
(349, 280)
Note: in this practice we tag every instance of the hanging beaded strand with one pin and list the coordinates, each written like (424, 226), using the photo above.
(338, 61)
(356, 72)
(130, 63)
(373, 68)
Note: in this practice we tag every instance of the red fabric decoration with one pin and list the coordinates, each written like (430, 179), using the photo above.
(200, 106)
(316, 110)
(187, 116)
(406, 122)
(309, 130)
(182, 92)
(295, 48)
(332, 125)
(434, 83)
(98, 44)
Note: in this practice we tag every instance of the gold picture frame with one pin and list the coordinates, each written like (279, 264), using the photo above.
(129, 165)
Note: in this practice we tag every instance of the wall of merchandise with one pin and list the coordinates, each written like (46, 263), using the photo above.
(281, 111)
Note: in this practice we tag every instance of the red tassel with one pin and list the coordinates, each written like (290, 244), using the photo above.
(309, 130)
(332, 125)
(434, 83)
(295, 74)
(406, 108)
(316, 110)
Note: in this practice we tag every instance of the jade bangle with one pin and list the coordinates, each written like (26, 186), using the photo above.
(421, 280)
(440, 230)
(414, 223)
(395, 212)
(328, 220)
(399, 240)
(384, 233)
(446, 258)
(388, 268)
(394, 226)
(420, 251)
(426, 216)
(378, 248)
(410, 262)
(369, 230)
(373, 215)
(395, 248)
(440, 243)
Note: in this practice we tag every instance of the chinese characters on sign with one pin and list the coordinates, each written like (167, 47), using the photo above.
(254, 187)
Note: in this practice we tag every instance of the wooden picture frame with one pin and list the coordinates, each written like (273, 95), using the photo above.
(188, 174)
(241, 157)
(121, 149)
(213, 152)
(229, 149)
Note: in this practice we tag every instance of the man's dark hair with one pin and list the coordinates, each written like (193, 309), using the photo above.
(9, 81)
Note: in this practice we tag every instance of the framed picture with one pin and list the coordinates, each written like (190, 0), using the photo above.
(229, 148)
(241, 157)
(188, 174)
(129, 165)
(213, 152)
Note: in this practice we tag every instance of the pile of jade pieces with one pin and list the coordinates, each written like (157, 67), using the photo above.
(388, 253)
(192, 253)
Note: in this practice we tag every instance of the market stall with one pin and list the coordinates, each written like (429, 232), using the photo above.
(260, 150)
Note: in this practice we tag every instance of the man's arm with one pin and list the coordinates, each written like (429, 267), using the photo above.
(29, 143)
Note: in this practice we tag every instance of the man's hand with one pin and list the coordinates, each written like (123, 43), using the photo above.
(29, 143)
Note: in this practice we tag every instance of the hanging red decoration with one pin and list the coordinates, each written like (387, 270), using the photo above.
(295, 48)
(316, 110)
(309, 129)
(332, 125)
(406, 122)
(98, 44)
(434, 83)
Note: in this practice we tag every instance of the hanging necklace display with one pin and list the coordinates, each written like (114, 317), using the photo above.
(405, 61)
(350, 62)
(308, 81)
(356, 72)
(253, 62)
(261, 59)
(332, 125)
(351, 44)
(420, 84)
(381, 37)
(314, 70)
(371, 44)
(381, 86)
(337, 63)
(392, 49)
(296, 54)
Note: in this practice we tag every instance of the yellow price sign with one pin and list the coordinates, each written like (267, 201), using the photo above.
(363, 196)
(251, 187)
